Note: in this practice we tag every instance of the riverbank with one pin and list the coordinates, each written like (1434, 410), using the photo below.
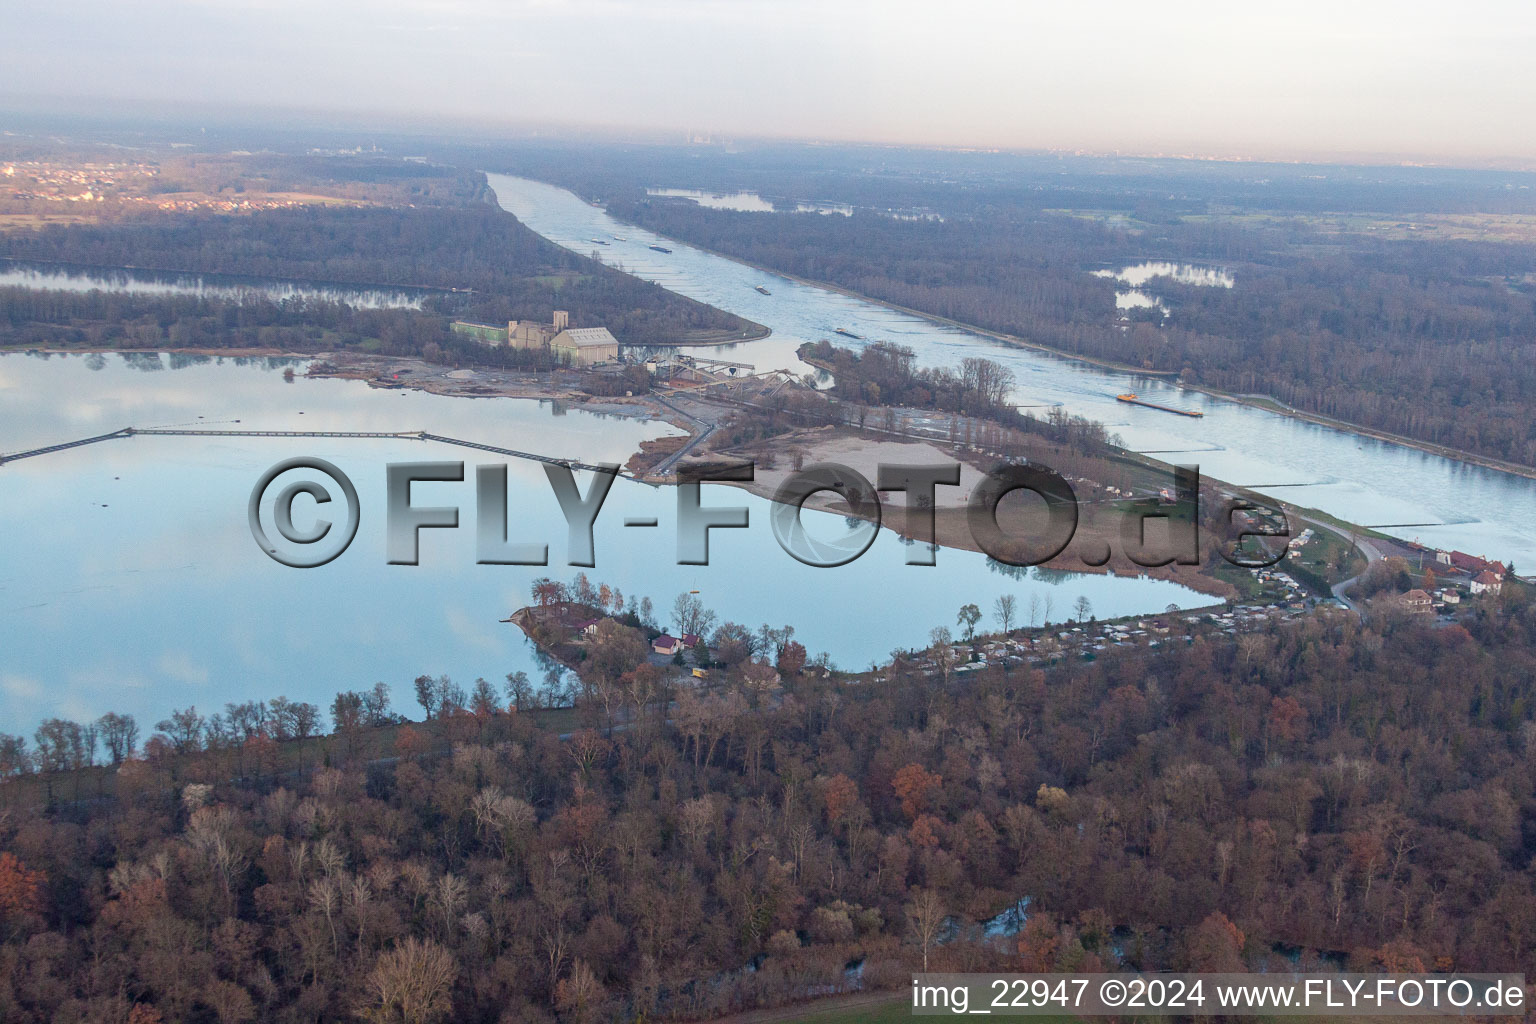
(704, 339)
(1279, 408)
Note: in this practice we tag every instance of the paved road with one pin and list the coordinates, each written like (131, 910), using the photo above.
(701, 430)
(1371, 552)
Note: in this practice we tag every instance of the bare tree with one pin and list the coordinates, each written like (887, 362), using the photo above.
(450, 896)
(519, 690)
(121, 735)
(690, 615)
(925, 919)
(184, 729)
(580, 995)
(1004, 608)
(411, 984)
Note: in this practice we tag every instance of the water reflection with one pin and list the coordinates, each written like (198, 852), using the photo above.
(137, 586)
(49, 277)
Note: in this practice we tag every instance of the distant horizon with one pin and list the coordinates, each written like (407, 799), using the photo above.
(1373, 81)
(142, 115)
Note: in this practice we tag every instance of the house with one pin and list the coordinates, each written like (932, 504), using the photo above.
(587, 628)
(1418, 601)
(668, 645)
(1450, 596)
(1486, 582)
(1469, 564)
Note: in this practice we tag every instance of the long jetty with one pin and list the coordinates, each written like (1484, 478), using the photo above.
(407, 435)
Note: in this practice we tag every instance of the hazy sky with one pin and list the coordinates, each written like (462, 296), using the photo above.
(1453, 81)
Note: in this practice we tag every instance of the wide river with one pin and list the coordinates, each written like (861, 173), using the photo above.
(130, 581)
(1401, 490)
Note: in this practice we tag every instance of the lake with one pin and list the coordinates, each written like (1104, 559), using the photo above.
(130, 580)
(1399, 489)
(1139, 274)
(752, 202)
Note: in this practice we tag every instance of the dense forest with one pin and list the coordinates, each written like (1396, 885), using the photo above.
(509, 272)
(1428, 339)
(1346, 794)
(34, 318)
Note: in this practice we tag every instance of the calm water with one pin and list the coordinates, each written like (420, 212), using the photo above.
(129, 580)
(1138, 275)
(747, 202)
(1447, 503)
(58, 277)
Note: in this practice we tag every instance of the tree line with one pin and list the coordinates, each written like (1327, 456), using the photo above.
(1325, 793)
(503, 271)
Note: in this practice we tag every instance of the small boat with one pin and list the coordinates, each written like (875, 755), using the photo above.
(847, 333)
(759, 288)
(662, 248)
(620, 238)
(599, 241)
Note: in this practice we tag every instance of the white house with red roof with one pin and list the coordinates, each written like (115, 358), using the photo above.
(1486, 582)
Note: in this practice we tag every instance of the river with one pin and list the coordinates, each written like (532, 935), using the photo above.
(1401, 490)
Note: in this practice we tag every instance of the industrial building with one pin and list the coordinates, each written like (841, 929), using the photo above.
(586, 346)
(580, 346)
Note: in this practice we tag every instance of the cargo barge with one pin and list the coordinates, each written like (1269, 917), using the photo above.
(1133, 400)
(661, 248)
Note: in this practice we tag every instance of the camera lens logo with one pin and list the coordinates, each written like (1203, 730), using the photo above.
(303, 549)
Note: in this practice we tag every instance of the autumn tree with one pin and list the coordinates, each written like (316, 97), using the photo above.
(1215, 945)
(914, 786)
(21, 892)
(792, 658)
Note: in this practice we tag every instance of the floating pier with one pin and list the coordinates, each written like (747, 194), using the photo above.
(1131, 399)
